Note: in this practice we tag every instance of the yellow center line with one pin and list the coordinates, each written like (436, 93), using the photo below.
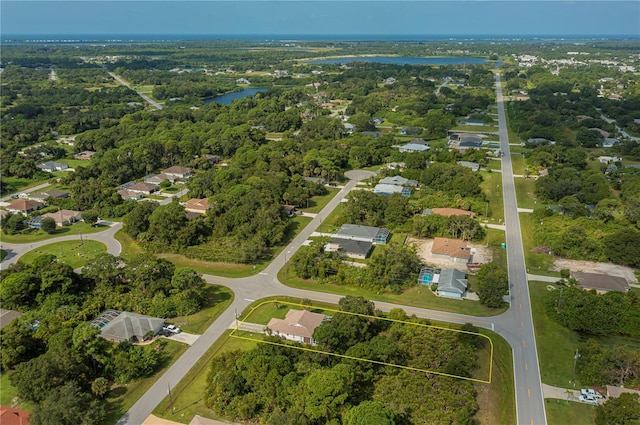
(529, 393)
(524, 343)
(521, 324)
(526, 367)
(520, 306)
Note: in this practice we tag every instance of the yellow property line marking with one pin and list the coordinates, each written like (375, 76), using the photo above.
(312, 350)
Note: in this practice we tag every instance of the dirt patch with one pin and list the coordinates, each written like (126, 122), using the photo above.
(592, 267)
(479, 254)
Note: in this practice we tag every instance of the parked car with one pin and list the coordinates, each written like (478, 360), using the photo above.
(172, 329)
(589, 392)
(587, 399)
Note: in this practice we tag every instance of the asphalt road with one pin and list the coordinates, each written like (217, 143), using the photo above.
(142, 95)
(515, 325)
(15, 250)
(519, 322)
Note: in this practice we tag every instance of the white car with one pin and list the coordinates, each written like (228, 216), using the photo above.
(173, 329)
(589, 392)
(587, 399)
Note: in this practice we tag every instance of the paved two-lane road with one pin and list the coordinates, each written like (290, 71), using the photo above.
(520, 333)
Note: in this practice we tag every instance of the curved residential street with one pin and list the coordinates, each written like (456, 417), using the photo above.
(515, 325)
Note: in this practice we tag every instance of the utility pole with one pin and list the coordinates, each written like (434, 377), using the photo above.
(170, 398)
(575, 360)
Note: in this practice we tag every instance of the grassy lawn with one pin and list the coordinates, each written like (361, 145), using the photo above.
(496, 400)
(525, 192)
(517, 163)
(414, 297)
(3, 254)
(188, 394)
(536, 263)
(218, 299)
(156, 197)
(476, 128)
(561, 412)
(494, 238)
(317, 203)
(556, 344)
(329, 224)
(36, 235)
(8, 392)
(266, 312)
(16, 185)
(235, 270)
(130, 248)
(492, 187)
(74, 163)
(493, 164)
(74, 253)
(122, 398)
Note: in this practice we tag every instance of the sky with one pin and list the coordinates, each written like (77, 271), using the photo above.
(321, 17)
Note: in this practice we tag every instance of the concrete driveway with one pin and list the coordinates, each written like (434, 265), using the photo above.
(183, 337)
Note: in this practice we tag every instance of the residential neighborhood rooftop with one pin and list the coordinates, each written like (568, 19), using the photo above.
(297, 322)
(452, 247)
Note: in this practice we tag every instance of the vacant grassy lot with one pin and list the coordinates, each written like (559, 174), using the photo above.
(557, 344)
(188, 395)
(317, 203)
(492, 187)
(496, 400)
(218, 298)
(16, 185)
(329, 225)
(476, 128)
(130, 248)
(536, 263)
(525, 192)
(36, 235)
(74, 253)
(123, 397)
(562, 412)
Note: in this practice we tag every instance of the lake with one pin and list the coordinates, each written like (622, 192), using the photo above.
(404, 60)
(227, 99)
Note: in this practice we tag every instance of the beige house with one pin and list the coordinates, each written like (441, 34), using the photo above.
(298, 325)
(452, 249)
(199, 206)
(177, 172)
(64, 217)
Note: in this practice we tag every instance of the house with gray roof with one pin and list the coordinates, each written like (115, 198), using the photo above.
(414, 147)
(451, 283)
(375, 235)
(51, 166)
(131, 327)
(399, 181)
(349, 247)
(390, 189)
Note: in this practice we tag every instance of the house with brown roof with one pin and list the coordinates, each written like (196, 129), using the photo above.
(11, 416)
(195, 205)
(64, 217)
(129, 195)
(452, 249)
(602, 283)
(84, 155)
(24, 206)
(176, 172)
(43, 196)
(298, 325)
(144, 188)
(448, 212)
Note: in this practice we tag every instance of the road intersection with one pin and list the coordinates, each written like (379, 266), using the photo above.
(515, 325)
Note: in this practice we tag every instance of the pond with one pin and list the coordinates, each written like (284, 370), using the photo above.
(405, 60)
(228, 98)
